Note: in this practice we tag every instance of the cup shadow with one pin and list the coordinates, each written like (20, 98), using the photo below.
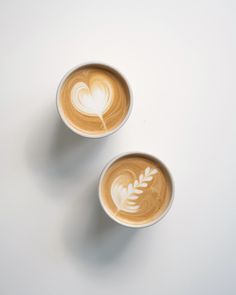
(95, 239)
(60, 158)
(68, 165)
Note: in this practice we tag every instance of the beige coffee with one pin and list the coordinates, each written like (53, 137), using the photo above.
(94, 99)
(136, 189)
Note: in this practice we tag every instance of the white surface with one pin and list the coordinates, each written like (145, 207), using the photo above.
(179, 57)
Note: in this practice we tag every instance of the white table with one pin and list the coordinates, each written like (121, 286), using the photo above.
(179, 57)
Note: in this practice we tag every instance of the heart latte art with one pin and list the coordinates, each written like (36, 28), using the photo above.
(136, 189)
(92, 102)
(94, 99)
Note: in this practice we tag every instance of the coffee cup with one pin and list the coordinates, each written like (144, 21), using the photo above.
(136, 189)
(94, 100)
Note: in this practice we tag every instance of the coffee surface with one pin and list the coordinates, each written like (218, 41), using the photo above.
(136, 189)
(94, 99)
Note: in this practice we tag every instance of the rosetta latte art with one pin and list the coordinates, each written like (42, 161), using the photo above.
(136, 189)
(125, 197)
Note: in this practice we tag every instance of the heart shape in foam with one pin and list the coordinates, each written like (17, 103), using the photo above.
(93, 100)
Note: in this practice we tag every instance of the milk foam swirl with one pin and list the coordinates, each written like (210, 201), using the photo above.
(94, 99)
(129, 199)
(136, 189)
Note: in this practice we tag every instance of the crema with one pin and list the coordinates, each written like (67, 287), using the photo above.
(94, 100)
(136, 189)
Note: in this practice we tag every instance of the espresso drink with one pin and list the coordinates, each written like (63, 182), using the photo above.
(136, 190)
(94, 100)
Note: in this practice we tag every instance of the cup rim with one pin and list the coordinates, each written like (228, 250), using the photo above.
(60, 112)
(105, 169)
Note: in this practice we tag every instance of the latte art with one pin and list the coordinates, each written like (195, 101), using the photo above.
(127, 198)
(94, 99)
(92, 102)
(136, 189)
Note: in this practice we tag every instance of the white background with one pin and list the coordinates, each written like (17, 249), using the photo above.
(179, 57)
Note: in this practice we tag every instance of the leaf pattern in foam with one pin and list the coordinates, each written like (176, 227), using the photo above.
(125, 198)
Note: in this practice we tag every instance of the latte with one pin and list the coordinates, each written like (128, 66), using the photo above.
(135, 190)
(94, 100)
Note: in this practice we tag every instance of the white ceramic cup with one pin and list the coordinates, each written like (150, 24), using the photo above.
(66, 121)
(151, 157)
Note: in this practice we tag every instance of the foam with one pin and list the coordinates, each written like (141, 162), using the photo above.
(136, 189)
(94, 99)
